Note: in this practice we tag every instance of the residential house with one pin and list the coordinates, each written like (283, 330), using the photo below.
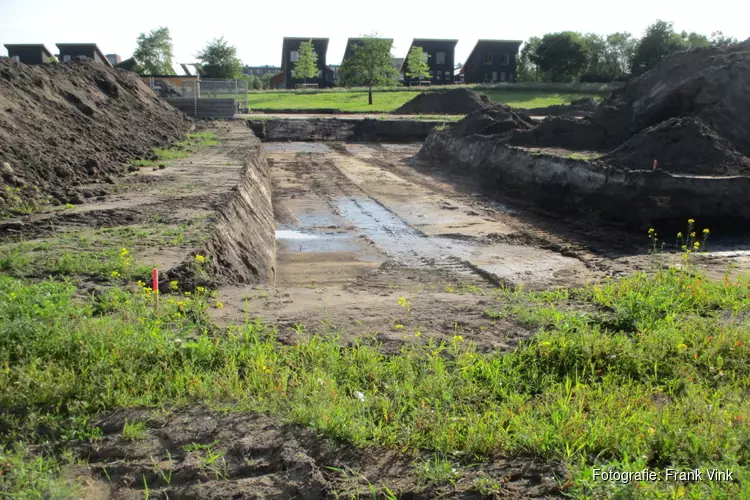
(290, 56)
(114, 59)
(128, 64)
(440, 56)
(492, 61)
(259, 71)
(69, 51)
(31, 53)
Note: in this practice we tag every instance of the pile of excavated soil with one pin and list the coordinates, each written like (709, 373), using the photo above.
(452, 102)
(710, 85)
(493, 120)
(681, 145)
(577, 107)
(68, 124)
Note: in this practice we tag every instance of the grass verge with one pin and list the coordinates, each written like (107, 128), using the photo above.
(649, 371)
(388, 101)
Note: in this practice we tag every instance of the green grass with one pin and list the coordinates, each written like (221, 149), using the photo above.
(133, 431)
(651, 370)
(182, 149)
(387, 101)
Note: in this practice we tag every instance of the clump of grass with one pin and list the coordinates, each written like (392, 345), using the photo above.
(133, 431)
(32, 476)
(182, 149)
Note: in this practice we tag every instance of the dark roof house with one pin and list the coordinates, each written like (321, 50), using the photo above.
(261, 70)
(440, 59)
(352, 42)
(492, 61)
(28, 53)
(69, 51)
(114, 59)
(290, 55)
(128, 64)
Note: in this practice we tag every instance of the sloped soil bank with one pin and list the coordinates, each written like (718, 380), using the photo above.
(365, 129)
(452, 102)
(577, 107)
(263, 459)
(67, 124)
(592, 188)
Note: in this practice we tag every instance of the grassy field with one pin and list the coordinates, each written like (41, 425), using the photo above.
(647, 371)
(385, 102)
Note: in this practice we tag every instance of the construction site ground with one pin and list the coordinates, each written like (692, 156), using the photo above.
(359, 227)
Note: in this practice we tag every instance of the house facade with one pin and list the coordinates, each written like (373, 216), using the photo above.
(492, 61)
(440, 57)
(31, 53)
(290, 56)
(69, 51)
(261, 70)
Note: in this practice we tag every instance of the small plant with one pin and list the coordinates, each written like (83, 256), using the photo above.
(437, 470)
(133, 431)
(488, 486)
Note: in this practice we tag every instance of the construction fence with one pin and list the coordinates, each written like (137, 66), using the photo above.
(204, 98)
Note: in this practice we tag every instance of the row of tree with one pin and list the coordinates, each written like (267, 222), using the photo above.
(570, 56)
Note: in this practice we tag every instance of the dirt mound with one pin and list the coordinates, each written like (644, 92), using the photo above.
(711, 85)
(452, 102)
(493, 120)
(680, 145)
(63, 125)
(577, 107)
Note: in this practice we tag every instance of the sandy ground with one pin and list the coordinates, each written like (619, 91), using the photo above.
(361, 226)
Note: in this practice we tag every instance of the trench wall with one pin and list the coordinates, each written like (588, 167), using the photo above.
(636, 198)
(333, 129)
(241, 246)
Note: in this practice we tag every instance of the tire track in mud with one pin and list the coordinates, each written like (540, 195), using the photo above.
(401, 242)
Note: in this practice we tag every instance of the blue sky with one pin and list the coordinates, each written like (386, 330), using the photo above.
(257, 28)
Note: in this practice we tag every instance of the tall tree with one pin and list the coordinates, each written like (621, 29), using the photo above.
(265, 80)
(416, 64)
(695, 40)
(596, 56)
(154, 52)
(659, 41)
(719, 40)
(526, 68)
(369, 65)
(620, 52)
(219, 60)
(563, 56)
(307, 64)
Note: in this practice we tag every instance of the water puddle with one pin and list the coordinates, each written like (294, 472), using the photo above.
(289, 234)
(295, 147)
(297, 241)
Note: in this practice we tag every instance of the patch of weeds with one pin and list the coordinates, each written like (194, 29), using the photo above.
(437, 470)
(134, 431)
(488, 486)
(193, 142)
(23, 475)
(584, 156)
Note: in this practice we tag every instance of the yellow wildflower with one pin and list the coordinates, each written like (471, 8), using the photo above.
(173, 285)
(200, 259)
(124, 252)
(696, 245)
(219, 305)
(398, 326)
(200, 289)
(706, 231)
(115, 274)
(679, 235)
(691, 221)
(458, 338)
(417, 333)
(682, 346)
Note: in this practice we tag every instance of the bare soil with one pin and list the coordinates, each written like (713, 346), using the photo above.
(63, 126)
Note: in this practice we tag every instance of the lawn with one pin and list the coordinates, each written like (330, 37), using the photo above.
(387, 101)
(646, 371)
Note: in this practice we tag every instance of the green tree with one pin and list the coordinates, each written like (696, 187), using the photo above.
(154, 53)
(416, 64)
(307, 63)
(265, 80)
(659, 41)
(369, 65)
(695, 40)
(620, 52)
(719, 40)
(219, 60)
(562, 56)
(526, 68)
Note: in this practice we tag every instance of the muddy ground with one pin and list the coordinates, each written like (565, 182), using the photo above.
(358, 226)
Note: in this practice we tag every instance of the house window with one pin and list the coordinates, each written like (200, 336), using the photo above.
(16, 58)
(448, 75)
(486, 77)
(488, 58)
(503, 77)
(505, 60)
(440, 58)
(439, 75)
(294, 55)
(494, 76)
(66, 58)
